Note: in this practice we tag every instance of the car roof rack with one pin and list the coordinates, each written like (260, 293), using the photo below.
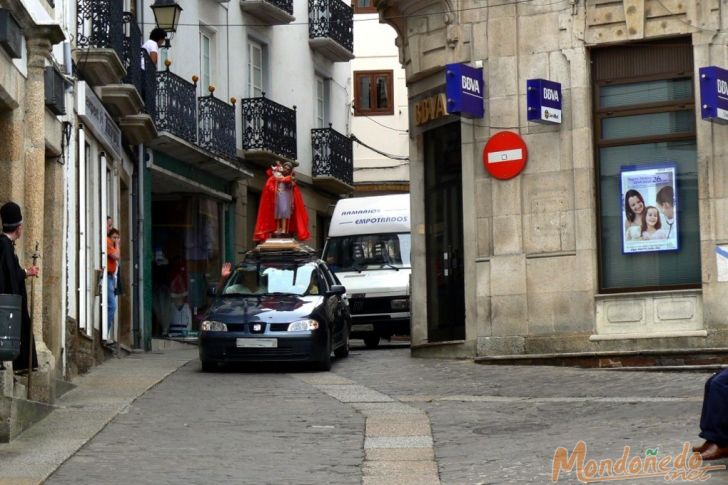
(282, 248)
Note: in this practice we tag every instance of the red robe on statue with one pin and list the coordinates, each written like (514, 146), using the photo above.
(265, 225)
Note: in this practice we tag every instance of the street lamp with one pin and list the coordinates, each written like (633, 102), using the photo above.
(166, 14)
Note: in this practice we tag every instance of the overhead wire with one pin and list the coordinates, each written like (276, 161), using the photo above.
(402, 158)
(385, 126)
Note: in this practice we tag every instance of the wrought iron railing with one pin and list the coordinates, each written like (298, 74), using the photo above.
(132, 57)
(333, 155)
(99, 25)
(333, 19)
(216, 126)
(268, 125)
(285, 5)
(176, 106)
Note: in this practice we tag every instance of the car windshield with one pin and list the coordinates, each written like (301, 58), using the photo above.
(264, 277)
(370, 251)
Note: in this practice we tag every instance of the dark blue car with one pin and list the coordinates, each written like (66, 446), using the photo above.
(277, 305)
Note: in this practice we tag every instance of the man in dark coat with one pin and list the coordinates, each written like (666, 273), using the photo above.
(12, 277)
(714, 418)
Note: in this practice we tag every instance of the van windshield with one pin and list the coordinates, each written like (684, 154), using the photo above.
(370, 251)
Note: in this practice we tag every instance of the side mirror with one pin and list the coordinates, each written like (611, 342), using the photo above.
(211, 290)
(337, 290)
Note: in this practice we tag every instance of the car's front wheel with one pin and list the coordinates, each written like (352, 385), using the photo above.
(325, 363)
(343, 351)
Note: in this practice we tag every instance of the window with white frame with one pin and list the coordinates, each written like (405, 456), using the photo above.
(322, 103)
(255, 69)
(207, 58)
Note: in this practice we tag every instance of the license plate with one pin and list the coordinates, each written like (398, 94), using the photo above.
(362, 327)
(256, 343)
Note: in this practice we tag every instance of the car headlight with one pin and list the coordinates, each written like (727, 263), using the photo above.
(213, 326)
(303, 325)
(400, 304)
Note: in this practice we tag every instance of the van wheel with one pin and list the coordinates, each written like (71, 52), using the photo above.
(343, 351)
(371, 341)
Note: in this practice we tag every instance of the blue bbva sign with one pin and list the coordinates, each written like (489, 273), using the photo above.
(464, 89)
(544, 101)
(714, 94)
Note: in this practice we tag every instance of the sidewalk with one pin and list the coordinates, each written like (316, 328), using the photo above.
(81, 413)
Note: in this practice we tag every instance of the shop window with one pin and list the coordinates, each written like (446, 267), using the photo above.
(363, 6)
(373, 93)
(646, 142)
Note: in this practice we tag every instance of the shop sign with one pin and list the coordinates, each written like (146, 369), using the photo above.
(543, 98)
(430, 109)
(464, 88)
(714, 94)
(649, 208)
(98, 120)
(505, 155)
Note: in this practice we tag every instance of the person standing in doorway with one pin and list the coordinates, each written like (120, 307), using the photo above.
(12, 278)
(113, 254)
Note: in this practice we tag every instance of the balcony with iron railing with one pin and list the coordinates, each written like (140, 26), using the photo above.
(269, 131)
(333, 161)
(331, 29)
(99, 41)
(197, 131)
(269, 12)
(109, 56)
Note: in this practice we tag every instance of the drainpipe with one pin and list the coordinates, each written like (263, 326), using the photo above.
(138, 226)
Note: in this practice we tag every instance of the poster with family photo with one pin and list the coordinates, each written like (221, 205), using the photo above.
(649, 208)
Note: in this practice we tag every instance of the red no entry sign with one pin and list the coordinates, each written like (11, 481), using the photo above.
(505, 155)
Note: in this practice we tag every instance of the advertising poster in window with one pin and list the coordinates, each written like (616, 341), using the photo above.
(649, 208)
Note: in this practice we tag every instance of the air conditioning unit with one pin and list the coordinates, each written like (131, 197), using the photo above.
(55, 91)
(11, 35)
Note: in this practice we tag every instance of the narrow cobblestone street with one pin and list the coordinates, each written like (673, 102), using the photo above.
(382, 417)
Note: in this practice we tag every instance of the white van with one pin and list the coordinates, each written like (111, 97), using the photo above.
(369, 250)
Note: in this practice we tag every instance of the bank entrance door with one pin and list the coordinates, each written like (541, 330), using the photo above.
(444, 234)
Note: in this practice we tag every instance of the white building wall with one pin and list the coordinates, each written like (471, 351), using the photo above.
(375, 49)
(290, 64)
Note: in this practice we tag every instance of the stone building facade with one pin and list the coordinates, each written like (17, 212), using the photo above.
(31, 175)
(536, 264)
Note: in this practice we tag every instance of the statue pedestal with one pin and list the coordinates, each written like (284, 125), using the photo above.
(278, 244)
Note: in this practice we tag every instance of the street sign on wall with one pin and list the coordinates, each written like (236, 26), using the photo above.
(543, 98)
(714, 94)
(464, 89)
(505, 155)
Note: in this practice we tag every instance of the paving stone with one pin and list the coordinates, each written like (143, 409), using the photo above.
(378, 409)
(400, 454)
(401, 471)
(323, 379)
(354, 393)
(409, 425)
(398, 442)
